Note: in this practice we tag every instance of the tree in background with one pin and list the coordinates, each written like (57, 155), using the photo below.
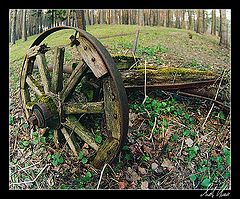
(223, 28)
(13, 29)
(80, 19)
(24, 27)
(213, 21)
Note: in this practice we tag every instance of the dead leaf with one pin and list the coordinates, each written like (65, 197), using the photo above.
(144, 185)
(142, 170)
(122, 185)
(147, 149)
(168, 164)
(154, 166)
(133, 176)
(85, 145)
(50, 181)
(189, 142)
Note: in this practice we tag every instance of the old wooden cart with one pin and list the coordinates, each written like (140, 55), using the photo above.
(71, 86)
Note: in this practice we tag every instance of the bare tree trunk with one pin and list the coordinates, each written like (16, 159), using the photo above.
(190, 20)
(183, 23)
(10, 24)
(113, 13)
(68, 17)
(80, 19)
(169, 22)
(177, 15)
(86, 17)
(213, 26)
(14, 22)
(24, 28)
(92, 17)
(223, 22)
(141, 17)
(204, 22)
(199, 21)
(40, 18)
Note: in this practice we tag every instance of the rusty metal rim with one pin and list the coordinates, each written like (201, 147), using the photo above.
(112, 69)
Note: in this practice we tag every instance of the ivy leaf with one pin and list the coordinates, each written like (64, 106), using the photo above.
(206, 182)
(80, 155)
(186, 132)
(84, 160)
(193, 177)
(98, 139)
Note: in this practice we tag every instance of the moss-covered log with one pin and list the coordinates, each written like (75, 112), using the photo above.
(166, 77)
(124, 62)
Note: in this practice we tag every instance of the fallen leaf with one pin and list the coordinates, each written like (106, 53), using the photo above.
(50, 181)
(154, 166)
(85, 145)
(147, 149)
(144, 185)
(133, 176)
(122, 185)
(168, 164)
(142, 170)
(189, 142)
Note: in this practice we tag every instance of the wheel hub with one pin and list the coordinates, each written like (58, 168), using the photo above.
(45, 114)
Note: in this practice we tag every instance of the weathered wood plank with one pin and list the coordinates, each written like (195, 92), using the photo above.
(106, 152)
(73, 80)
(91, 57)
(69, 141)
(111, 107)
(81, 131)
(43, 70)
(57, 75)
(32, 83)
(25, 97)
(87, 107)
(32, 52)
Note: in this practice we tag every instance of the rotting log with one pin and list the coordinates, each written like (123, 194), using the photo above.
(166, 77)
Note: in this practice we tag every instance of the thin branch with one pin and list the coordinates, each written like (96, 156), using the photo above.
(101, 175)
(213, 102)
(145, 83)
(31, 181)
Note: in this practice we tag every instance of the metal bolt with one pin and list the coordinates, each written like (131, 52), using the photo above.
(115, 116)
(93, 59)
(85, 47)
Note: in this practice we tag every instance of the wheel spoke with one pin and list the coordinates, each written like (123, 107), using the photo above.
(69, 141)
(57, 75)
(81, 131)
(111, 107)
(43, 70)
(55, 138)
(32, 83)
(73, 80)
(85, 107)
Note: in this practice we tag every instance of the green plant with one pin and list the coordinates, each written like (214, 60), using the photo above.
(194, 63)
(56, 159)
(145, 158)
(98, 138)
(24, 144)
(82, 157)
(11, 120)
(192, 153)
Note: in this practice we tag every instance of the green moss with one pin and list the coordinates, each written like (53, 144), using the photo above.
(49, 103)
(173, 71)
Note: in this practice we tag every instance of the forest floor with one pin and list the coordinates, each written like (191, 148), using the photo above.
(171, 142)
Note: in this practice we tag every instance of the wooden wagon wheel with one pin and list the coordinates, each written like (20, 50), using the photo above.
(49, 100)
